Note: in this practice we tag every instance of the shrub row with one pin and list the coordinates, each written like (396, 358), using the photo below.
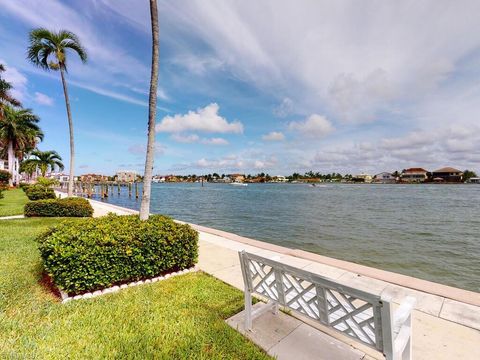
(24, 186)
(68, 207)
(92, 254)
(4, 177)
(39, 192)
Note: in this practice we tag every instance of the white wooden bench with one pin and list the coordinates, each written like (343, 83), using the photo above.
(365, 317)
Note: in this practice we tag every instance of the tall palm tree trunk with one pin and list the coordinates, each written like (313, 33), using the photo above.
(152, 108)
(70, 127)
(17, 171)
(11, 162)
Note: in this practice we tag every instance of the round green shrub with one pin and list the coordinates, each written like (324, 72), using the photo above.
(24, 186)
(4, 176)
(39, 192)
(67, 207)
(91, 254)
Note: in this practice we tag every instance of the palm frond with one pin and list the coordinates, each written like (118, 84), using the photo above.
(45, 46)
(45, 160)
(19, 127)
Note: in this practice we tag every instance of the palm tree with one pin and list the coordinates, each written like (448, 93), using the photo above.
(19, 132)
(5, 97)
(152, 107)
(48, 50)
(28, 168)
(43, 160)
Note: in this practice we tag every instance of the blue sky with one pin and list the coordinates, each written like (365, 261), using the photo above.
(248, 86)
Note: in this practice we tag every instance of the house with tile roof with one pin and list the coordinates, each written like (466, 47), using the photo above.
(447, 174)
(414, 175)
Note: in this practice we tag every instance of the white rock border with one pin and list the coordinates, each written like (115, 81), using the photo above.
(113, 289)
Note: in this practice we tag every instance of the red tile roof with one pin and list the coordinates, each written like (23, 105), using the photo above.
(447, 170)
(415, 170)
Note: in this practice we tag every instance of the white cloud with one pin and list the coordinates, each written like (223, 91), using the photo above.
(204, 119)
(17, 80)
(186, 139)
(234, 163)
(43, 99)
(215, 141)
(273, 136)
(197, 65)
(141, 149)
(356, 72)
(356, 100)
(413, 139)
(454, 146)
(110, 64)
(314, 126)
(284, 109)
(161, 93)
(194, 138)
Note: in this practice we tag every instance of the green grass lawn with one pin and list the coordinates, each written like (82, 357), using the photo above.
(179, 318)
(12, 202)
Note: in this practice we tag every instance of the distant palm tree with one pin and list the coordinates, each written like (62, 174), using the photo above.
(48, 50)
(19, 132)
(43, 160)
(152, 107)
(5, 97)
(28, 168)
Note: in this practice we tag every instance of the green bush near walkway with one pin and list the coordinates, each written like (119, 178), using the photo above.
(67, 207)
(96, 253)
(39, 192)
(180, 318)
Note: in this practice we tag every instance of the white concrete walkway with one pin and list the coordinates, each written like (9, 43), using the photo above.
(446, 320)
(11, 217)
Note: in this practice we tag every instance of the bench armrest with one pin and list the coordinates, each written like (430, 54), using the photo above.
(402, 314)
(402, 328)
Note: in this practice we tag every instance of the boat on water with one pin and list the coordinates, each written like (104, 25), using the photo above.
(238, 184)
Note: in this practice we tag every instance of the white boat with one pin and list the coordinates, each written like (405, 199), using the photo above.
(238, 184)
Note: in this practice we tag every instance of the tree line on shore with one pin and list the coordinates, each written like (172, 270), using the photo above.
(309, 176)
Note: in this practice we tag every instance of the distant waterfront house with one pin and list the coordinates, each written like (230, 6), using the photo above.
(414, 175)
(447, 174)
(126, 176)
(279, 178)
(237, 177)
(365, 178)
(59, 176)
(93, 178)
(384, 178)
(158, 179)
(474, 180)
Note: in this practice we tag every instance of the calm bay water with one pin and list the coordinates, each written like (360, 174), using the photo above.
(427, 231)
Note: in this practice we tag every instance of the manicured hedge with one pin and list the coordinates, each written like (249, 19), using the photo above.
(39, 192)
(24, 186)
(92, 254)
(67, 207)
(4, 176)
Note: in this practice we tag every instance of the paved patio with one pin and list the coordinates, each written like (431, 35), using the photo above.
(446, 320)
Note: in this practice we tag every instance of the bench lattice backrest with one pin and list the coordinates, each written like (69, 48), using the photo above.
(353, 312)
